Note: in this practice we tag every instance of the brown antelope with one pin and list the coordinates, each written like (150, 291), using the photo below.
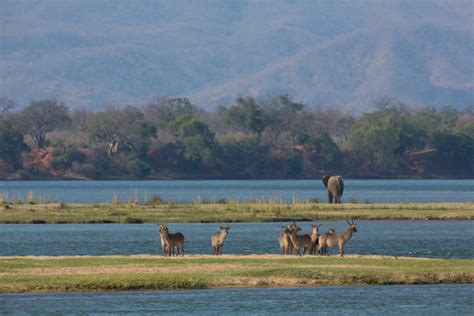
(314, 238)
(163, 245)
(172, 241)
(322, 239)
(332, 239)
(218, 240)
(299, 241)
(285, 242)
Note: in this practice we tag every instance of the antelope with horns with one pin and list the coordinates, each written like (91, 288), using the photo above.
(172, 241)
(333, 239)
(299, 241)
(218, 239)
(285, 242)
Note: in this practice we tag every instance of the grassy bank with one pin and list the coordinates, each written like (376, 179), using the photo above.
(29, 274)
(227, 212)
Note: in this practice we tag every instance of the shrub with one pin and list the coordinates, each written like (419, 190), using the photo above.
(87, 169)
(138, 168)
(132, 220)
(155, 200)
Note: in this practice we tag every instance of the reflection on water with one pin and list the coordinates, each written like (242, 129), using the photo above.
(384, 191)
(376, 300)
(434, 239)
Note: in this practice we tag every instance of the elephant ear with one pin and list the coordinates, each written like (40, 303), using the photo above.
(325, 180)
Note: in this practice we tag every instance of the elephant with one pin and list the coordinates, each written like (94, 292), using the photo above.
(335, 186)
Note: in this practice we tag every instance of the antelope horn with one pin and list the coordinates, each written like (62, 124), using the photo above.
(348, 221)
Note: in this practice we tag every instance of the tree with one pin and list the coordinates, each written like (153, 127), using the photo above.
(122, 130)
(327, 152)
(247, 157)
(199, 145)
(382, 137)
(247, 115)
(164, 110)
(41, 117)
(80, 119)
(465, 123)
(6, 104)
(454, 154)
(284, 114)
(11, 143)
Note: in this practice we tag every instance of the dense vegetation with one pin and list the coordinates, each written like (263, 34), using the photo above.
(265, 138)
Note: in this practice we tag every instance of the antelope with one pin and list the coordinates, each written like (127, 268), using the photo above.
(332, 239)
(163, 245)
(172, 241)
(285, 242)
(299, 241)
(314, 238)
(218, 240)
(323, 250)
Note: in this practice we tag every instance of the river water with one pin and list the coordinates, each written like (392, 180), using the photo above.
(369, 300)
(433, 239)
(383, 191)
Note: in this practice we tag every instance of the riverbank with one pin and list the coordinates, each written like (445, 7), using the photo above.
(145, 272)
(229, 211)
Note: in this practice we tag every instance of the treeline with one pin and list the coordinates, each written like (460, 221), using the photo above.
(266, 138)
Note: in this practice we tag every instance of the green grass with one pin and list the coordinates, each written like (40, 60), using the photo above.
(228, 212)
(30, 274)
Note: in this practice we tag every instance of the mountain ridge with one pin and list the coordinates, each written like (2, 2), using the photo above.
(97, 53)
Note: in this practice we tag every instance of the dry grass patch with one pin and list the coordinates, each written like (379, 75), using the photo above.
(231, 212)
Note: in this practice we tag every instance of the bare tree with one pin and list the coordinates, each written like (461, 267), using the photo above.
(41, 117)
(6, 104)
(80, 119)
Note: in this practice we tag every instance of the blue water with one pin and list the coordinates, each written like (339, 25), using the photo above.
(384, 191)
(370, 300)
(433, 239)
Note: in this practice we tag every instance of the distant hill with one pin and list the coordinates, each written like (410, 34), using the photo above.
(345, 53)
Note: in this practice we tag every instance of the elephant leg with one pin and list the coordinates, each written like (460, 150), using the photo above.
(330, 197)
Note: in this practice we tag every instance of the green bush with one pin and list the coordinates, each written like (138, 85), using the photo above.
(138, 168)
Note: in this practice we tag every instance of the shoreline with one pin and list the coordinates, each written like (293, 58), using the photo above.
(30, 274)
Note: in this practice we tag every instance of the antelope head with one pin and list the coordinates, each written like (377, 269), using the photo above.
(224, 229)
(315, 228)
(293, 228)
(286, 229)
(352, 225)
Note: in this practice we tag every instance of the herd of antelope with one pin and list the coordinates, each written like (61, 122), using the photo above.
(314, 243)
(290, 241)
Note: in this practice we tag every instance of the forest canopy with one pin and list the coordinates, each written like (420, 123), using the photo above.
(274, 137)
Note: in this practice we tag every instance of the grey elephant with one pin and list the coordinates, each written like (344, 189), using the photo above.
(335, 186)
